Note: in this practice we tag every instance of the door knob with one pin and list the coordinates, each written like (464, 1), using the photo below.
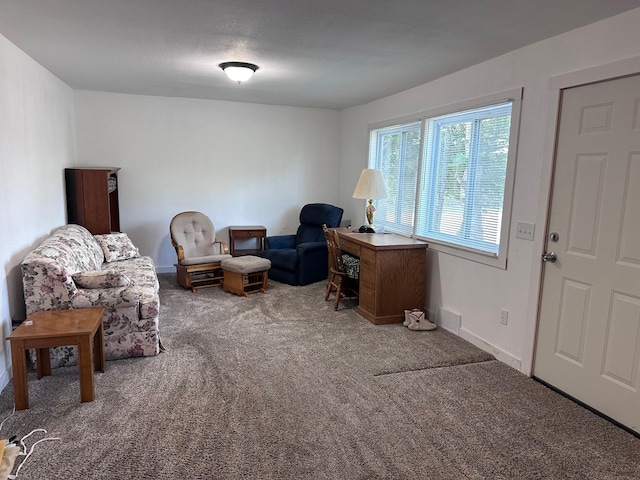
(549, 257)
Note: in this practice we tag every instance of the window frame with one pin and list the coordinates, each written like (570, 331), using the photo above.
(514, 96)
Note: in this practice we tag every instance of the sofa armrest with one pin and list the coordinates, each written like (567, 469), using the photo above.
(128, 309)
(110, 298)
(280, 241)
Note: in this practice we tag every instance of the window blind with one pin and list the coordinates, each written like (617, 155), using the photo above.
(462, 186)
(395, 150)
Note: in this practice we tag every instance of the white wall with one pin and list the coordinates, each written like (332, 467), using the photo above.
(477, 291)
(241, 164)
(36, 144)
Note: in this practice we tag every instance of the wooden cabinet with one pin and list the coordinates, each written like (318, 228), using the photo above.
(392, 274)
(92, 198)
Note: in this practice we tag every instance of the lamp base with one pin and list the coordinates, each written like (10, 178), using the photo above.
(369, 212)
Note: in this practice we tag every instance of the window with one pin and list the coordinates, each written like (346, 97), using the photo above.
(449, 177)
(397, 151)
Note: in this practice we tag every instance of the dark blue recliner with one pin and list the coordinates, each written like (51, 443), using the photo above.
(301, 259)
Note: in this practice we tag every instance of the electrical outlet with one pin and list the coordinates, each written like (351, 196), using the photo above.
(525, 230)
(504, 316)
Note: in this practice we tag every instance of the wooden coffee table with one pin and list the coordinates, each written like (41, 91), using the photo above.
(58, 328)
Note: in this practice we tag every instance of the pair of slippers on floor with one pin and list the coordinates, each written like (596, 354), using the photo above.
(415, 320)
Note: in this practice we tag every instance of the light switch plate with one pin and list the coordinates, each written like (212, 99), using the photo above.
(525, 230)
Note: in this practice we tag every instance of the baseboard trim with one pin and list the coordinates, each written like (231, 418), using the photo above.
(5, 378)
(500, 354)
(165, 269)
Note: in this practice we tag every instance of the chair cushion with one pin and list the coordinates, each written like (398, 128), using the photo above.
(245, 265)
(195, 232)
(319, 213)
(312, 216)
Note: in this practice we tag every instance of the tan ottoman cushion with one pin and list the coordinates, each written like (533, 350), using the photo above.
(246, 265)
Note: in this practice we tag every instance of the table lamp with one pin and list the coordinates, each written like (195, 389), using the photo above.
(370, 186)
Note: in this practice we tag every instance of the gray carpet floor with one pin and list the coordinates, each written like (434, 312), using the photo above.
(279, 386)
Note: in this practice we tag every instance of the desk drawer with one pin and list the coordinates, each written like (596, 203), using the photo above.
(367, 256)
(249, 233)
(350, 247)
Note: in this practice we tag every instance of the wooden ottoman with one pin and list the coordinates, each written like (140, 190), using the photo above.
(245, 275)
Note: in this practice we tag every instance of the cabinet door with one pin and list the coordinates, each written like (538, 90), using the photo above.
(97, 209)
(400, 281)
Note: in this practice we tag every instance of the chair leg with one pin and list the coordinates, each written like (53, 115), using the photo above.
(184, 278)
(329, 285)
(338, 293)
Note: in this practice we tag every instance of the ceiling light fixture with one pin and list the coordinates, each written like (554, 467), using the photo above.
(238, 71)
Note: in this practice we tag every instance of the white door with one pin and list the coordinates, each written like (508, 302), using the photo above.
(588, 342)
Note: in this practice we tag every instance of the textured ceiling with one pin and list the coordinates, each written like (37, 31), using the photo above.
(327, 53)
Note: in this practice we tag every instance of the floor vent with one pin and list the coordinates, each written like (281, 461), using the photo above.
(449, 320)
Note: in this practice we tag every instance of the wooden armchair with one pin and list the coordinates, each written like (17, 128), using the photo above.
(199, 253)
(340, 283)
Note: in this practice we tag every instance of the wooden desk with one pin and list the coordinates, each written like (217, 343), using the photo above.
(82, 328)
(392, 273)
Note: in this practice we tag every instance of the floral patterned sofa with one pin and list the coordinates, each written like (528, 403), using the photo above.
(74, 269)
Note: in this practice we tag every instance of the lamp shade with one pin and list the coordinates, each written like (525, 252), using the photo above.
(238, 71)
(370, 185)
